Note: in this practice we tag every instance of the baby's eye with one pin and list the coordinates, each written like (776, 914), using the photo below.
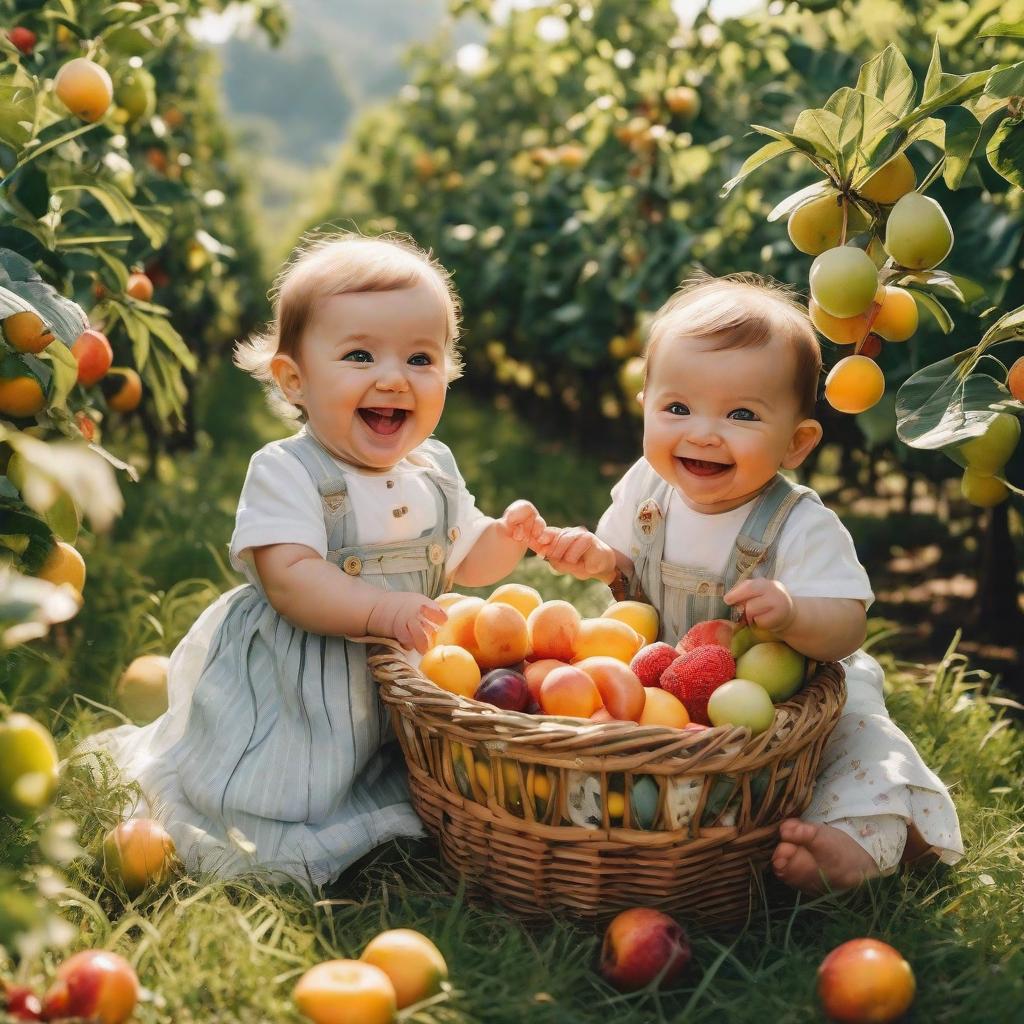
(420, 359)
(359, 355)
(678, 409)
(743, 414)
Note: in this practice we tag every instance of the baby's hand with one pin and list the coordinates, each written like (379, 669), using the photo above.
(522, 522)
(764, 603)
(411, 618)
(575, 550)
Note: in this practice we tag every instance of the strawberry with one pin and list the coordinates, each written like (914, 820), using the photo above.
(649, 662)
(715, 631)
(695, 675)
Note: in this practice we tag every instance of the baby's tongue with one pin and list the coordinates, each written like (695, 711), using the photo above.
(702, 468)
(383, 421)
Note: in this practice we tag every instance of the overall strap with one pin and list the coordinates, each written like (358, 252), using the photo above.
(330, 482)
(444, 474)
(647, 544)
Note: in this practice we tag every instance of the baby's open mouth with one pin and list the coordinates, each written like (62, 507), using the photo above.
(701, 467)
(384, 421)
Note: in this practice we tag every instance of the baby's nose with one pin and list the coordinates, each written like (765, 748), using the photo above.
(392, 380)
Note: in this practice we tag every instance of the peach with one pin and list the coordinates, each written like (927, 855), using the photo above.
(142, 689)
(854, 384)
(897, 316)
(602, 715)
(843, 281)
(412, 962)
(553, 628)
(843, 330)
(64, 564)
(865, 981)
(983, 491)
(94, 355)
(1015, 379)
(817, 225)
(893, 180)
(96, 985)
(139, 287)
(139, 853)
(524, 599)
(84, 88)
(918, 234)
(641, 616)
(346, 992)
(501, 635)
(643, 945)
(606, 637)
(452, 668)
(537, 671)
(26, 332)
(458, 629)
(621, 691)
(447, 600)
(661, 708)
(21, 1003)
(569, 691)
(29, 766)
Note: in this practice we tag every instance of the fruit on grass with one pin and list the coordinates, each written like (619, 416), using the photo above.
(84, 88)
(854, 384)
(96, 985)
(553, 629)
(139, 287)
(641, 616)
(412, 962)
(743, 703)
(818, 224)
(990, 451)
(64, 565)
(21, 396)
(122, 388)
(606, 637)
(346, 992)
(643, 945)
(138, 853)
(1015, 379)
(536, 672)
(135, 93)
(22, 1003)
(28, 766)
(501, 636)
(651, 661)
(452, 668)
(524, 599)
(23, 39)
(26, 332)
(918, 234)
(458, 629)
(662, 708)
(897, 316)
(713, 631)
(695, 675)
(983, 491)
(569, 691)
(621, 692)
(893, 180)
(94, 355)
(683, 101)
(865, 981)
(504, 688)
(141, 691)
(843, 281)
(775, 666)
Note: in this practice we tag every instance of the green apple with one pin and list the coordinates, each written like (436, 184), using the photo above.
(775, 666)
(28, 766)
(989, 452)
(741, 702)
(843, 281)
(742, 641)
(918, 234)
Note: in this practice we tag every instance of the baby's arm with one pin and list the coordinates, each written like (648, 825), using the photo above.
(580, 553)
(318, 596)
(500, 547)
(823, 628)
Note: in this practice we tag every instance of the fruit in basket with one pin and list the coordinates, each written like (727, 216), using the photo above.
(608, 637)
(643, 802)
(775, 666)
(651, 661)
(501, 636)
(714, 631)
(412, 962)
(694, 676)
(452, 668)
(641, 616)
(662, 708)
(746, 636)
(538, 782)
(524, 599)
(447, 600)
(346, 990)
(865, 981)
(94, 984)
(642, 945)
(504, 688)
(458, 629)
(569, 691)
(536, 672)
(553, 628)
(741, 702)
(621, 692)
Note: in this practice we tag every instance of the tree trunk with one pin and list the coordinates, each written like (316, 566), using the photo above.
(997, 612)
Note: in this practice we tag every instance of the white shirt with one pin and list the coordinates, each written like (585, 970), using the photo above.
(816, 556)
(280, 504)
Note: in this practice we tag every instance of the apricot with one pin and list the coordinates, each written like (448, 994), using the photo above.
(447, 600)
(641, 616)
(501, 635)
(662, 708)
(458, 629)
(865, 981)
(21, 396)
(818, 224)
(524, 599)
(122, 388)
(642, 945)
(683, 101)
(553, 628)
(918, 234)
(26, 332)
(843, 330)
(1015, 379)
(843, 281)
(893, 180)
(346, 992)
(94, 355)
(602, 715)
(412, 962)
(537, 671)
(606, 637)
(139, 853)
(983, 491)
(139, 287)
(142, 689)
(989, 452)
(569, 691)
(84, 88)
(621, 691)
(854, 384)
(897, 316)
(452, 668)
(64, 565)
(28, 766)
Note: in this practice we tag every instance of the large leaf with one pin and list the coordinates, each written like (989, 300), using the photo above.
(11, 303)
(65, 372)
(934, 281)
(1008, 327)
(1008, 29)
(798, 199)
(938, 311)
(820, 129)
(888, 78)
(962, 133)
(1005, 151)
(1006, 82)
(756, 160)
(65, 318)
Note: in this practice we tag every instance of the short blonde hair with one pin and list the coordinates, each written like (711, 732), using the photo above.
(740, 311)
(336, 264)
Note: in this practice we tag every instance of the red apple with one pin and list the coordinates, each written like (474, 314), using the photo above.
(642, 945)
(22, 1003)
(94, 984)
(865, 981)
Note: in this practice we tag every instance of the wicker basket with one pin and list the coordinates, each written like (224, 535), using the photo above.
(554, 814)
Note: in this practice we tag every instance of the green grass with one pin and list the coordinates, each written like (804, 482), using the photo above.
(231, 952)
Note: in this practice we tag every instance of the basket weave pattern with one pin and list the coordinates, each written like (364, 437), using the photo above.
(552, 814)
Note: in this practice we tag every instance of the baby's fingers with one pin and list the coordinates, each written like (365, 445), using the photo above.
(432, 612)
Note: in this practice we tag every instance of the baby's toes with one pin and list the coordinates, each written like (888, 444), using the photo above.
(793, 830)
(782, 855)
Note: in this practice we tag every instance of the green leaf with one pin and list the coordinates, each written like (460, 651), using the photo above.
(1005, 151)
(1006, 82)
(801, 198)
(1009, 29)
(932, 280)
(138, 332)
(38, 151)
(937, 310)
(175, 344)
(65, 318)
(820, 129)
(962, 133)
(1008, 326)
(888, 78)
(756, 160)
(65, 372)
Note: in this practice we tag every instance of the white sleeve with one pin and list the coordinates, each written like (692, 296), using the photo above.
(279, 504)
(471, 523)
(817, 558)
(616, 525)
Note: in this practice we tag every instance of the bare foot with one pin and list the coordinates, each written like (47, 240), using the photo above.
(814, 858)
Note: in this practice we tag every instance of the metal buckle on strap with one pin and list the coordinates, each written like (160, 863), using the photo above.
(336, 501)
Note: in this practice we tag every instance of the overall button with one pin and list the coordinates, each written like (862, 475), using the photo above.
(704, 588)
(453, 534)
(435, 554)
(352, 565)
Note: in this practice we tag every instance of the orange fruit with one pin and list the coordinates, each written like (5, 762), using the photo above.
(21, 396)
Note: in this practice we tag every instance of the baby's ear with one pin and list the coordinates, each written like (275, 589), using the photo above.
(806, 437)
(287, 377)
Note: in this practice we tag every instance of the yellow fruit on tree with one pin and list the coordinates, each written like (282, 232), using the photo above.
(21, 396)
(854, 384)
(64, 565)
(983, 491)
(897, 316)
(818, 224)
(890, 182)
(989, 452)
(843, 330)
(843, 281)
(28, 766)
(84, 88)
(26, 332)
(918, 234)
(412, 962)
